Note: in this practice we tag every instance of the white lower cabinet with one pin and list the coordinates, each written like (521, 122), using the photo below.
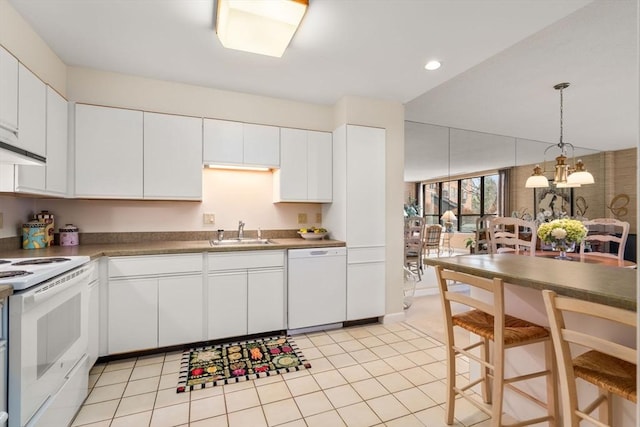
(246, 293)
(154, 301)
(365, 290)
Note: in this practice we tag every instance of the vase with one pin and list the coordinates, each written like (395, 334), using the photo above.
(563, 247)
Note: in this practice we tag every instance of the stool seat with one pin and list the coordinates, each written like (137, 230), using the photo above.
(607, 372)
(516, 330)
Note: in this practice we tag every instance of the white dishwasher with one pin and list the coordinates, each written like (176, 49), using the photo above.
(317, 291)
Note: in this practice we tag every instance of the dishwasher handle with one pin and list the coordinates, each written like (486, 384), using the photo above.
(317, 253)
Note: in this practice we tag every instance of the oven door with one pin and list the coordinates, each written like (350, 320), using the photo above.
(48, 337)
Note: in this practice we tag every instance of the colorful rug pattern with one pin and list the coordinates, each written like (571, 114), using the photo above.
(239, 361)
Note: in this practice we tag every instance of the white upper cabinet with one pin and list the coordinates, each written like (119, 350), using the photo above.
(108, 152)
(52, 178)
(305, 173)
(172, 157)
(8, 91)
(32, 95)
(241, 144)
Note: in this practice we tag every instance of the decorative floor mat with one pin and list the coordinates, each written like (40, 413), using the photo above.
(239, 361)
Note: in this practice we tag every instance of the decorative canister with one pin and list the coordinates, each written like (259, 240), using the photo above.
(48, 219)
(34, 235)
(69, 235)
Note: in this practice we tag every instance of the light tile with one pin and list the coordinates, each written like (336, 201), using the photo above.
(354, 373)
(390, 338)
(339, 335)
(273, 392)
(253, 417)
(342, 360)
(322, 339)
(134, 404)
(400, 362)
(329, 379)
(351, 345)
(151, 359)
(93, 379)
(404, 347)
(358, 333)
(116, 365)
(437, 369)
(168, 381)
(146, 371)
(395, 327)
(407, 335)
(141, 386)
(369, 389)
(467, 413)
(207, 408)
(219, 421)
(242, 385)
(436, 390)
(422, 343)
(281, 412)
(313, 403)
(97, 368)
(295, 423)
(377, 367)
(358, 415)
(387, 407)
(98, 424)
(438, 353)
(420, 357)
(406, 421)
(371, 341)
(172, 366)
(434, 417)
(312, 353)
(168, 397)
(302, 342)
(302, 385)
(385, 351)
(134, 420)
(414, 399)
(394, 382)
(320, 365)
(363, 356)
(242, 399)
(330, 349)
(326, 419)
(114, 377)
(418, 376)
(170, 416)
(343, 395)
(96, 412)
(108, 392)
(204, 393)
(173, 355)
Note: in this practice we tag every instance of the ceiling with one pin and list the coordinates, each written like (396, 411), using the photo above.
(500, 57)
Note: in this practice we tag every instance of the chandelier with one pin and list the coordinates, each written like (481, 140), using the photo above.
(565, 175)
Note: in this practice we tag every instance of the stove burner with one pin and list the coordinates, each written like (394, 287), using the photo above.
(4, 261)
(13, 273)
(37, 261)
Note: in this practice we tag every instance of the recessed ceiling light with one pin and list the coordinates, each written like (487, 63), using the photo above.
(432, 65)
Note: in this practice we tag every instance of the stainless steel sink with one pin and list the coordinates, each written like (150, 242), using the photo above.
(243, 241)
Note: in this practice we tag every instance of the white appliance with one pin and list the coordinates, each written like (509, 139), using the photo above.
(47, 339)
(317, 291)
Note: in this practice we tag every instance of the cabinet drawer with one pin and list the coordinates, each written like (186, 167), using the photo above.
(246, 260)
(156, 265)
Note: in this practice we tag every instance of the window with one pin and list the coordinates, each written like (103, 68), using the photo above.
(468, 198)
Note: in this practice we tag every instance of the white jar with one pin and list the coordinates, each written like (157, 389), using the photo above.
(69, 235)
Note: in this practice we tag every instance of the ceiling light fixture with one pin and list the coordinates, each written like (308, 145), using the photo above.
(259, 26)
(433, 65)
(565, 175)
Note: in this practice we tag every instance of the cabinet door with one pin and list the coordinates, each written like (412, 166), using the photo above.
(32, 113)
(292, 175)
(261, 145)
(108, 151)
(57, 141)
(265, 302)
(319, 167)
(365, 186)
(365, 290)
(222, 142)
(179, 310)
(227, 304)
(8, 91)
(172, 157)
(133, 315)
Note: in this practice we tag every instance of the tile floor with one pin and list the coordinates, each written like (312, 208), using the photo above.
(372, 375)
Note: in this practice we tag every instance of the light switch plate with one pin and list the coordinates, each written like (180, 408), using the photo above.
(209, 219)
(302, 218)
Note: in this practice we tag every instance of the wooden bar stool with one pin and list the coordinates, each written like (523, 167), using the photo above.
(493, 326)
(608, 365)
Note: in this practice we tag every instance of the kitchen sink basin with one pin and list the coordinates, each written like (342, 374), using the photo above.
(244, 241)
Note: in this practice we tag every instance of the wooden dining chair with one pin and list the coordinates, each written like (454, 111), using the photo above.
(482, 234)
(509, 234)
(498, 332)
(610, 366)
(603, 232)
(431, 239)
(413, 236)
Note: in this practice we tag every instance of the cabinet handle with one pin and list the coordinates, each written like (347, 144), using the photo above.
(318, 252)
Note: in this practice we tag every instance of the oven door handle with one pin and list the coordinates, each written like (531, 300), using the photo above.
(53, 287)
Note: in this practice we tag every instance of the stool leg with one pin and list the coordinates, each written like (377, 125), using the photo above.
(486, 386)
(605, 411)
(498, 385)
(451, 380)
(552, 383)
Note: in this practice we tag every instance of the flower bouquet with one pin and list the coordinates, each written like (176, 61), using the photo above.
(562, 234)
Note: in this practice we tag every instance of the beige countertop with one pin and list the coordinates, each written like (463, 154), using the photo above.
(5, 291)
(614, 286)
(168, 247)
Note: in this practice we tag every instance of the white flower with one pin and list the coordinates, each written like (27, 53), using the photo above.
(548, 214)
(559, 233)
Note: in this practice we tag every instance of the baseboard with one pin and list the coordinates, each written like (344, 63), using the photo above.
(393, 318)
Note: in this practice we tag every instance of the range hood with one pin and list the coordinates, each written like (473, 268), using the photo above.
(11, 154)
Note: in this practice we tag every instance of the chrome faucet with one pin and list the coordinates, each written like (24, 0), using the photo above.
(240, 229)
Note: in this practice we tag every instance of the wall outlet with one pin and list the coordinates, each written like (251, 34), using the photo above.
(302, 218)
(209, 219)
(319, 217)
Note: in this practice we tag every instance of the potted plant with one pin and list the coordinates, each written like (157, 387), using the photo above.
(470, 243)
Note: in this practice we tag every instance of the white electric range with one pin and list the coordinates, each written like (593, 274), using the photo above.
(47, 338)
